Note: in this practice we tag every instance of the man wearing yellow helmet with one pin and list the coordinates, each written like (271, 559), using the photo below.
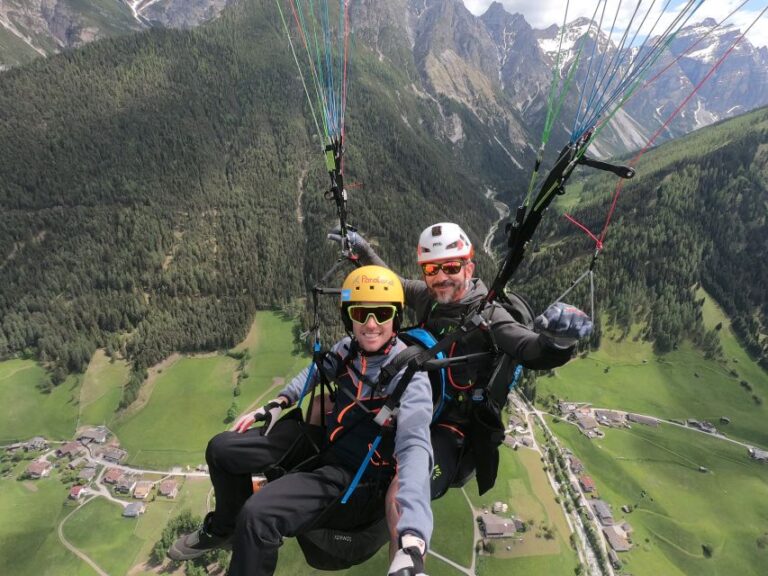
(372, 301)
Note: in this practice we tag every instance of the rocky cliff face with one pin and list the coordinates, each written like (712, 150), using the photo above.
(177, 13)
(485, 78)
(32, 28)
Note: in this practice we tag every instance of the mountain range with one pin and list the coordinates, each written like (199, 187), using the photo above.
(496, 65)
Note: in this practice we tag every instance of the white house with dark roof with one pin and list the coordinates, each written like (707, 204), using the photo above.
(134, 510)
(126, 485)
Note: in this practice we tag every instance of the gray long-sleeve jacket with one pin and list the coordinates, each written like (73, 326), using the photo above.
(413, 450)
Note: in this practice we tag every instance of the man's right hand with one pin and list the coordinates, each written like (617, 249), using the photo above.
(409, 559)
(269, 414)
(355, 241)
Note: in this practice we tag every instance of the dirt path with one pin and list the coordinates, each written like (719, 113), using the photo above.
(302, 177)
(72, 548)
(277, 384)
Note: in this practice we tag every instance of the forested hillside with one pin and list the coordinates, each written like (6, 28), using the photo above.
(157, 189)
(697, 213)
(150, 185)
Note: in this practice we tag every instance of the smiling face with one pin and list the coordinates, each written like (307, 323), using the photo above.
(446, 288)
(370, 334)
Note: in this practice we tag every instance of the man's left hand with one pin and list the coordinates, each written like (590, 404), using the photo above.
(563, 325)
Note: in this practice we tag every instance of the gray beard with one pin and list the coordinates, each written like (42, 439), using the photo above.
(451, 297)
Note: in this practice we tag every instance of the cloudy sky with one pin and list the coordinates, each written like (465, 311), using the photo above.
(542, 13)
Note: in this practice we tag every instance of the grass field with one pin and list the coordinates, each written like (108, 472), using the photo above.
(683, 509)
(29, 544)
(102, 389)
(522, 484)
(188, 406)
(190, 399)
(116, 554)
(453, 531)
(626, 374)
(26, 412)
(271, 343)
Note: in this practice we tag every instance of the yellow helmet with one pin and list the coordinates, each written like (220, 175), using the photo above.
(374, 284)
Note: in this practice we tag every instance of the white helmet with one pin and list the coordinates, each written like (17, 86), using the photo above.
(444, 241)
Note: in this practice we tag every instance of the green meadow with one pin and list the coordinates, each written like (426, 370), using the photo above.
(679, 510)
(453, 535)
(102, 388)
(523, 485)
(29, 544)
(27, 412)
(189, 399)
(86, 528)
(130, 540)
(626, 374)
(188, 405)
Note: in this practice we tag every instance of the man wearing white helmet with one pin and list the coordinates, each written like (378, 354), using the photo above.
(468, 430)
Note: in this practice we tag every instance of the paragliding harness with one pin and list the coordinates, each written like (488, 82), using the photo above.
(472, 412)
(346, 535)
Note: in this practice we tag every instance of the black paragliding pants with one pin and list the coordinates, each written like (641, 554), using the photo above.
(286, 506)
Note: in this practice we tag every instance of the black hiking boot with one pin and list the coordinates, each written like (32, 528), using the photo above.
(197, 543)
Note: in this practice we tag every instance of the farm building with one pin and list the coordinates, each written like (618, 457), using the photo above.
(617, 538)
(70, 449)
(134, 510)
(757, 454)
(603, 512)
(645, 420)
(493, 526)
(587, 484)
(142, 489)
(37, 443)
(39, 469)
(113, 476)
(96, 435)
(169, 488)
(114, 455)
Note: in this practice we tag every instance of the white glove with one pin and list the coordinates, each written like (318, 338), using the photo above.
(409, 559)
(269, 413)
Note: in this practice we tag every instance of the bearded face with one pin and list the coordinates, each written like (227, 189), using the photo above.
(446, 288)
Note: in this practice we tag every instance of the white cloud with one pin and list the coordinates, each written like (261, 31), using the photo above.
(543, 13)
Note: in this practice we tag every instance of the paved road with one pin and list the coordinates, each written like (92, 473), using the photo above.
(575, 522)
